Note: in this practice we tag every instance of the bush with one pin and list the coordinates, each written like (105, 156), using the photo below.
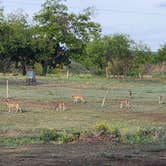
(20, 140)
(141, 136)
(116, 133)
(38, 68)
(48, 135)
(102, 126)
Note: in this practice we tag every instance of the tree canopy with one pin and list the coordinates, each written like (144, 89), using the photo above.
(57, 36)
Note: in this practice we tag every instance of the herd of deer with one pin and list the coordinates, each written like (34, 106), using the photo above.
(61, 106)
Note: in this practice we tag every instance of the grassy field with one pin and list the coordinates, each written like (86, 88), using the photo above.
(39, 104)
(39, 101)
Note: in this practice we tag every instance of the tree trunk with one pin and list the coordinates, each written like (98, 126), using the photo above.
(24, 67)
(44, 68)
(6, 66)
(106, 71)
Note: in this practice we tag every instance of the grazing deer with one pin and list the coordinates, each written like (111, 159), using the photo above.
(60, 106)
(161, 100)
(12, 105)
(125, 102)
(78, 98)
(130, 94)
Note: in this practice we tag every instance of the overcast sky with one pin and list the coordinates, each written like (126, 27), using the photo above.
(143, 20)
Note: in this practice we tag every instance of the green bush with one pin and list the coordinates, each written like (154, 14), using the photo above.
(116, 132)
(102, 126)
(64, 138)
(141, 136)
(48, 135)
(38, 68)
(20, 140)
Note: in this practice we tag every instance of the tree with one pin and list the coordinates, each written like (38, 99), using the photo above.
(121, 51)
(141, 56)
(107, 50)
(98, 53)
(20, 41)
(54, 24)
(161, 57)
(4, 43)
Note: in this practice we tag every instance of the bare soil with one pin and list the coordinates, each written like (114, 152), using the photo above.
(82, 154)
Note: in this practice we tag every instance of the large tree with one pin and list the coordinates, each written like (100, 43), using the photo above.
(15, 41)
(141, 56)
(98, 54)
(54, 24)
(4, 36)
(118, 54)
(20, 41)
(107, 50)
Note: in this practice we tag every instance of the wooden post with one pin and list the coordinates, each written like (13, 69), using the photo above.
(106, 71)
(67, 74)
(140, 76)
(102, 104)
(7, 89)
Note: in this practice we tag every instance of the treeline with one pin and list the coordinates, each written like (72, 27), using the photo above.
(57, 36)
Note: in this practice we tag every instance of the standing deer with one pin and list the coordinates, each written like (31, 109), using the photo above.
(77, 99)
(125, 102)
(60, 106)
(13, 105)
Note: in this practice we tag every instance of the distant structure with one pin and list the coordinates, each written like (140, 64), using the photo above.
(30, 77)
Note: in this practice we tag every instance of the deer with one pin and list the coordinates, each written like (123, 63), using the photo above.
(60, 106)
(78, 98)
(13, 105)
(125, 102)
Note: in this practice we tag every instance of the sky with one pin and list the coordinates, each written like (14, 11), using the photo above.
(143, 20)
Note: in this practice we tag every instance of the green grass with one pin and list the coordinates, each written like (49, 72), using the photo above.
(38, 100)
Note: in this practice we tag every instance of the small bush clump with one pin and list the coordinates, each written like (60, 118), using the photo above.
(26, 140)
(140, 136)
(107, 129)
(102, 126)
(38, 68)
(47, 135)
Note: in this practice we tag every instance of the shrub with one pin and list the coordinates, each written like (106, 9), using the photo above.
(116, 132)
(20, 140)
(48, 135)
(141, 136)
(102, 126)
(38, 68)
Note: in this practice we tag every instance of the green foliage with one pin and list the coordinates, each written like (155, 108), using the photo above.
(20, 140)
(102, 126)
(106, 128)
(141, 136)
(27, 44)
(161, 57)
(38, 68)
(48, 135)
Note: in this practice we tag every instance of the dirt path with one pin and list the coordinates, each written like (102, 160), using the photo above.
(82, 154)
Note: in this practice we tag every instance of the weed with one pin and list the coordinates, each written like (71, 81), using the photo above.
(20, 140)
(140, 136)
(102, 126)
(48, 135)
